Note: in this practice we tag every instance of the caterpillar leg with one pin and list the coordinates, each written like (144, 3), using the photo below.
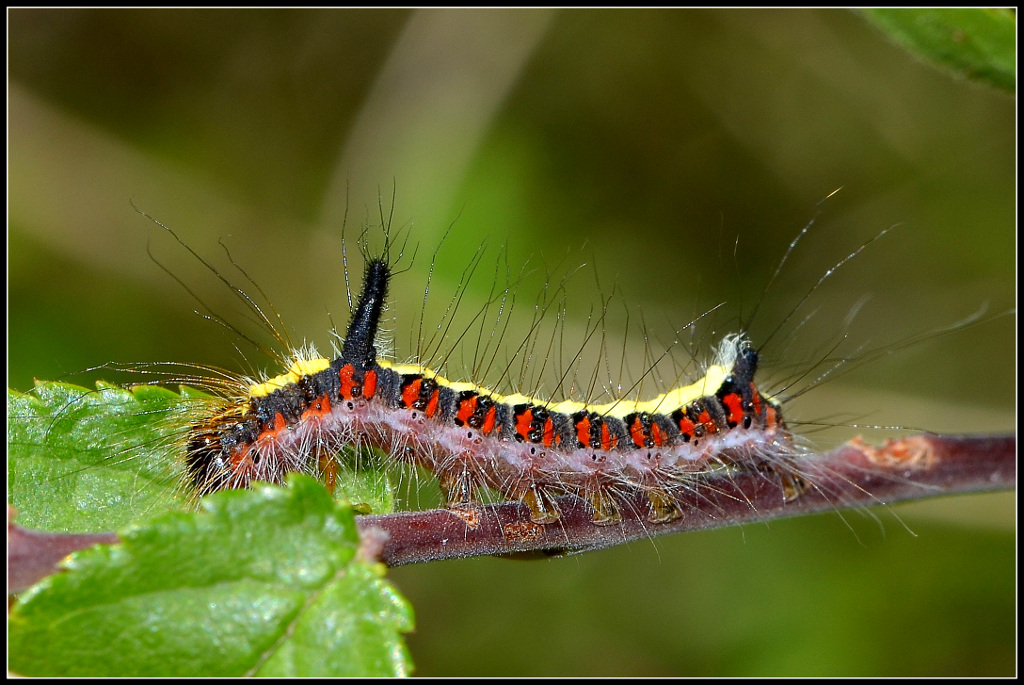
(543, 509)
(792, 485)
(329, 468)
(458, 488)
(663, 507)
(606, 511)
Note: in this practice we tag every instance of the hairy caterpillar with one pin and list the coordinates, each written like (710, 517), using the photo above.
(468, 436)
(524, 447)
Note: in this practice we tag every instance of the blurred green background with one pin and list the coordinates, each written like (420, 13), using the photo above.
(641, 143)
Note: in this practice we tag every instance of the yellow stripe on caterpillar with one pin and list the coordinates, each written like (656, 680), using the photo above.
(299, 369)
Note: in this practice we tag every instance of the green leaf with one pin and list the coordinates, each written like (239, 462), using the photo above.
(363, 482)
(980, 44)
(94, 460)
(263, 582)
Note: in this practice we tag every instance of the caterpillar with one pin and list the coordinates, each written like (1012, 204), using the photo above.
(523, 447)
(468, 437)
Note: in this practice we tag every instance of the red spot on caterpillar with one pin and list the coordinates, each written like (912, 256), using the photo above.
(523, 422)
(583, 431)
(608, 441)
(411, 393)
(709, 423)
(636, 431)
(467, 407)
(320, 407)
(657, 435)
(734, 403)
(435, 397)
(489, 418)
(549, 432)
(279, 425)
(345, 374)
(240, 458)
(686, 426)
(370, 384)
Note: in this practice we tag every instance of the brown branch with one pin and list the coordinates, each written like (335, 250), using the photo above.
(32, 554)
(854, 475)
